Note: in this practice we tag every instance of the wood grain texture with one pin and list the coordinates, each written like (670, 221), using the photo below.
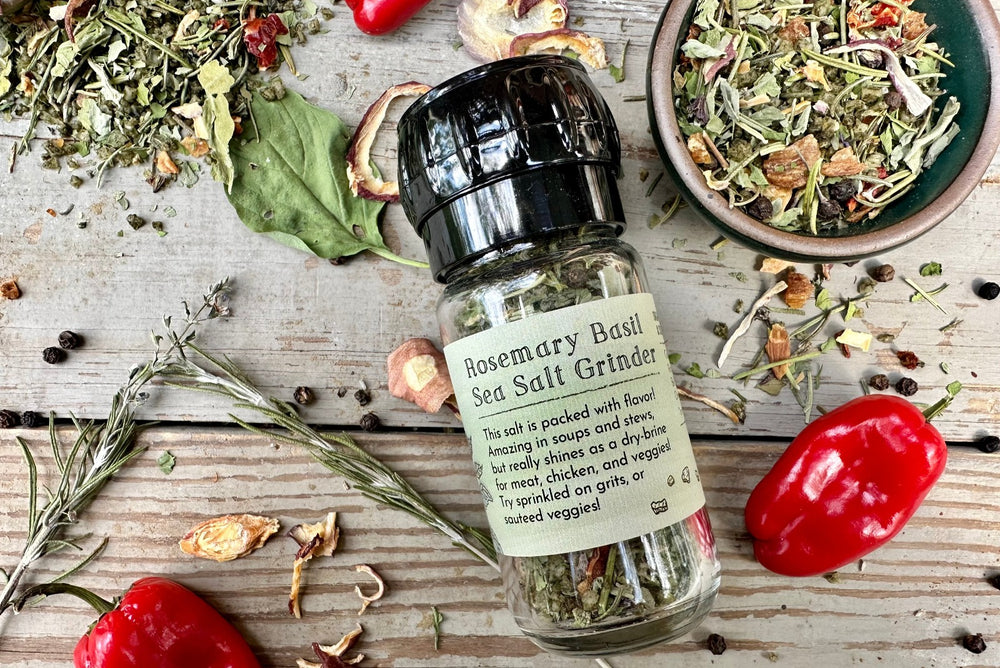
(300, 321)
(906, 607)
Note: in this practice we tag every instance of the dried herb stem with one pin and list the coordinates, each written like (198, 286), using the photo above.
(767, 367)
(339, 453)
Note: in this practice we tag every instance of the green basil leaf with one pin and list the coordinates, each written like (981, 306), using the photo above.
(291, 182)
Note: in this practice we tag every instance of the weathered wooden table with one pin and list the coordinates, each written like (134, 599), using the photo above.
(298, 320)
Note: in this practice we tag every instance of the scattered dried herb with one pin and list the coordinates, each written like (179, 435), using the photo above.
(436, 619)
(931, 269)
(907, 387)
(695, 370)
(367, 600)
(989, 291)
(166, 462)
(721, 330)
(951, 325)
(832, 578)
(879, 382)
(126, 84)
(927, 294)
(716, 644)
(811, 116)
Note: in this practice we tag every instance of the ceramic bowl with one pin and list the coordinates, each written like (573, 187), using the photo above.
(969, 32)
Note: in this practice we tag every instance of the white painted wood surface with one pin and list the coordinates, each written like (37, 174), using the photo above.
(300, 321)
(908, 606)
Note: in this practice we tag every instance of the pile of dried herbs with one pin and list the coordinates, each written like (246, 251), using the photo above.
(812, 116)
(123, 82)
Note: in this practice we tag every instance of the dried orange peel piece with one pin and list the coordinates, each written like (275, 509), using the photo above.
(318, 539)
(228, 537)
(363, 180)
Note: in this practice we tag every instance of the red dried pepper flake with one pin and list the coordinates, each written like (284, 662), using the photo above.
(222, 25)
(886, 15)
(844, 348)
(908, 359)
(883, 172)
(260, 36)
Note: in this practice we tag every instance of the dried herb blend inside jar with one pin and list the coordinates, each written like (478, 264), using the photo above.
(555, 349)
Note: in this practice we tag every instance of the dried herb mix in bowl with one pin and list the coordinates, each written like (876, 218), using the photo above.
(812, 116)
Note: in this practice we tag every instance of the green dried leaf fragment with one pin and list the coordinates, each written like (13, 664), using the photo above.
(931, 269)
(695, 370)
(297, 170)
(166, 462)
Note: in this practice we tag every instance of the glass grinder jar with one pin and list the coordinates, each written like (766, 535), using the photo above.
(507, 173)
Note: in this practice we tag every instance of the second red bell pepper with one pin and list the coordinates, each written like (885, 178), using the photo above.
(158, 624)
(846, 485)
(377, 17)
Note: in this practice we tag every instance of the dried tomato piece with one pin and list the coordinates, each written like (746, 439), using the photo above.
(261, 35)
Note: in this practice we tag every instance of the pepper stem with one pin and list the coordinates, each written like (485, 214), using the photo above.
(937, 408)
(99, 604)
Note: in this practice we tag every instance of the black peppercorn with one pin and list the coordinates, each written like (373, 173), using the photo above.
(303, 395)
(370, 422)
(828, 209)
(907, 387)
(879, 382)
(53, 355)
(716, 644)
(989, 291)
(69, 340)
(994, 581)
(761, 208)
(989, 444)
(363, 397)
(974, 643)
(884, 273)
(9, 419)
(842, 191)
(31, 419)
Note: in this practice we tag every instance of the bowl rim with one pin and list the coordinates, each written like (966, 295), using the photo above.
(672, 147)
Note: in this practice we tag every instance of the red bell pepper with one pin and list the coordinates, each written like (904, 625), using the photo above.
(158, 624)
(846, 485)
(377, 17)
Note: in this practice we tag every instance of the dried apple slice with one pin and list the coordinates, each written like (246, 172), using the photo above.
(487, 27)
(363, 180)
(589, 49)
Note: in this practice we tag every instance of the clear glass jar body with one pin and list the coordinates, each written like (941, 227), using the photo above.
(613, 598)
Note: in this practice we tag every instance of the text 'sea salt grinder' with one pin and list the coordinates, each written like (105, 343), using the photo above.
(553, 342)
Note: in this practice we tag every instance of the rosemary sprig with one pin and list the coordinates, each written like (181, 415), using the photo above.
(98, 452)
(338, 453)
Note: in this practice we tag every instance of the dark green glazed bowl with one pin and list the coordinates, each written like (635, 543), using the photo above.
(967, 29)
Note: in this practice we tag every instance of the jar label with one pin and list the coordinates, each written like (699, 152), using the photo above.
(576, 428)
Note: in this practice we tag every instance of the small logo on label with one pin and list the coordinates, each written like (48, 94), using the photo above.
(487, 497)
(670, 481)
(659, 506)
(686, 475)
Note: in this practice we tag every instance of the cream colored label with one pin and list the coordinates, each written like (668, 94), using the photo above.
(576, 428)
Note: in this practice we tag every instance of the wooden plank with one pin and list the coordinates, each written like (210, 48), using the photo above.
(906, 607)
(301, 321)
